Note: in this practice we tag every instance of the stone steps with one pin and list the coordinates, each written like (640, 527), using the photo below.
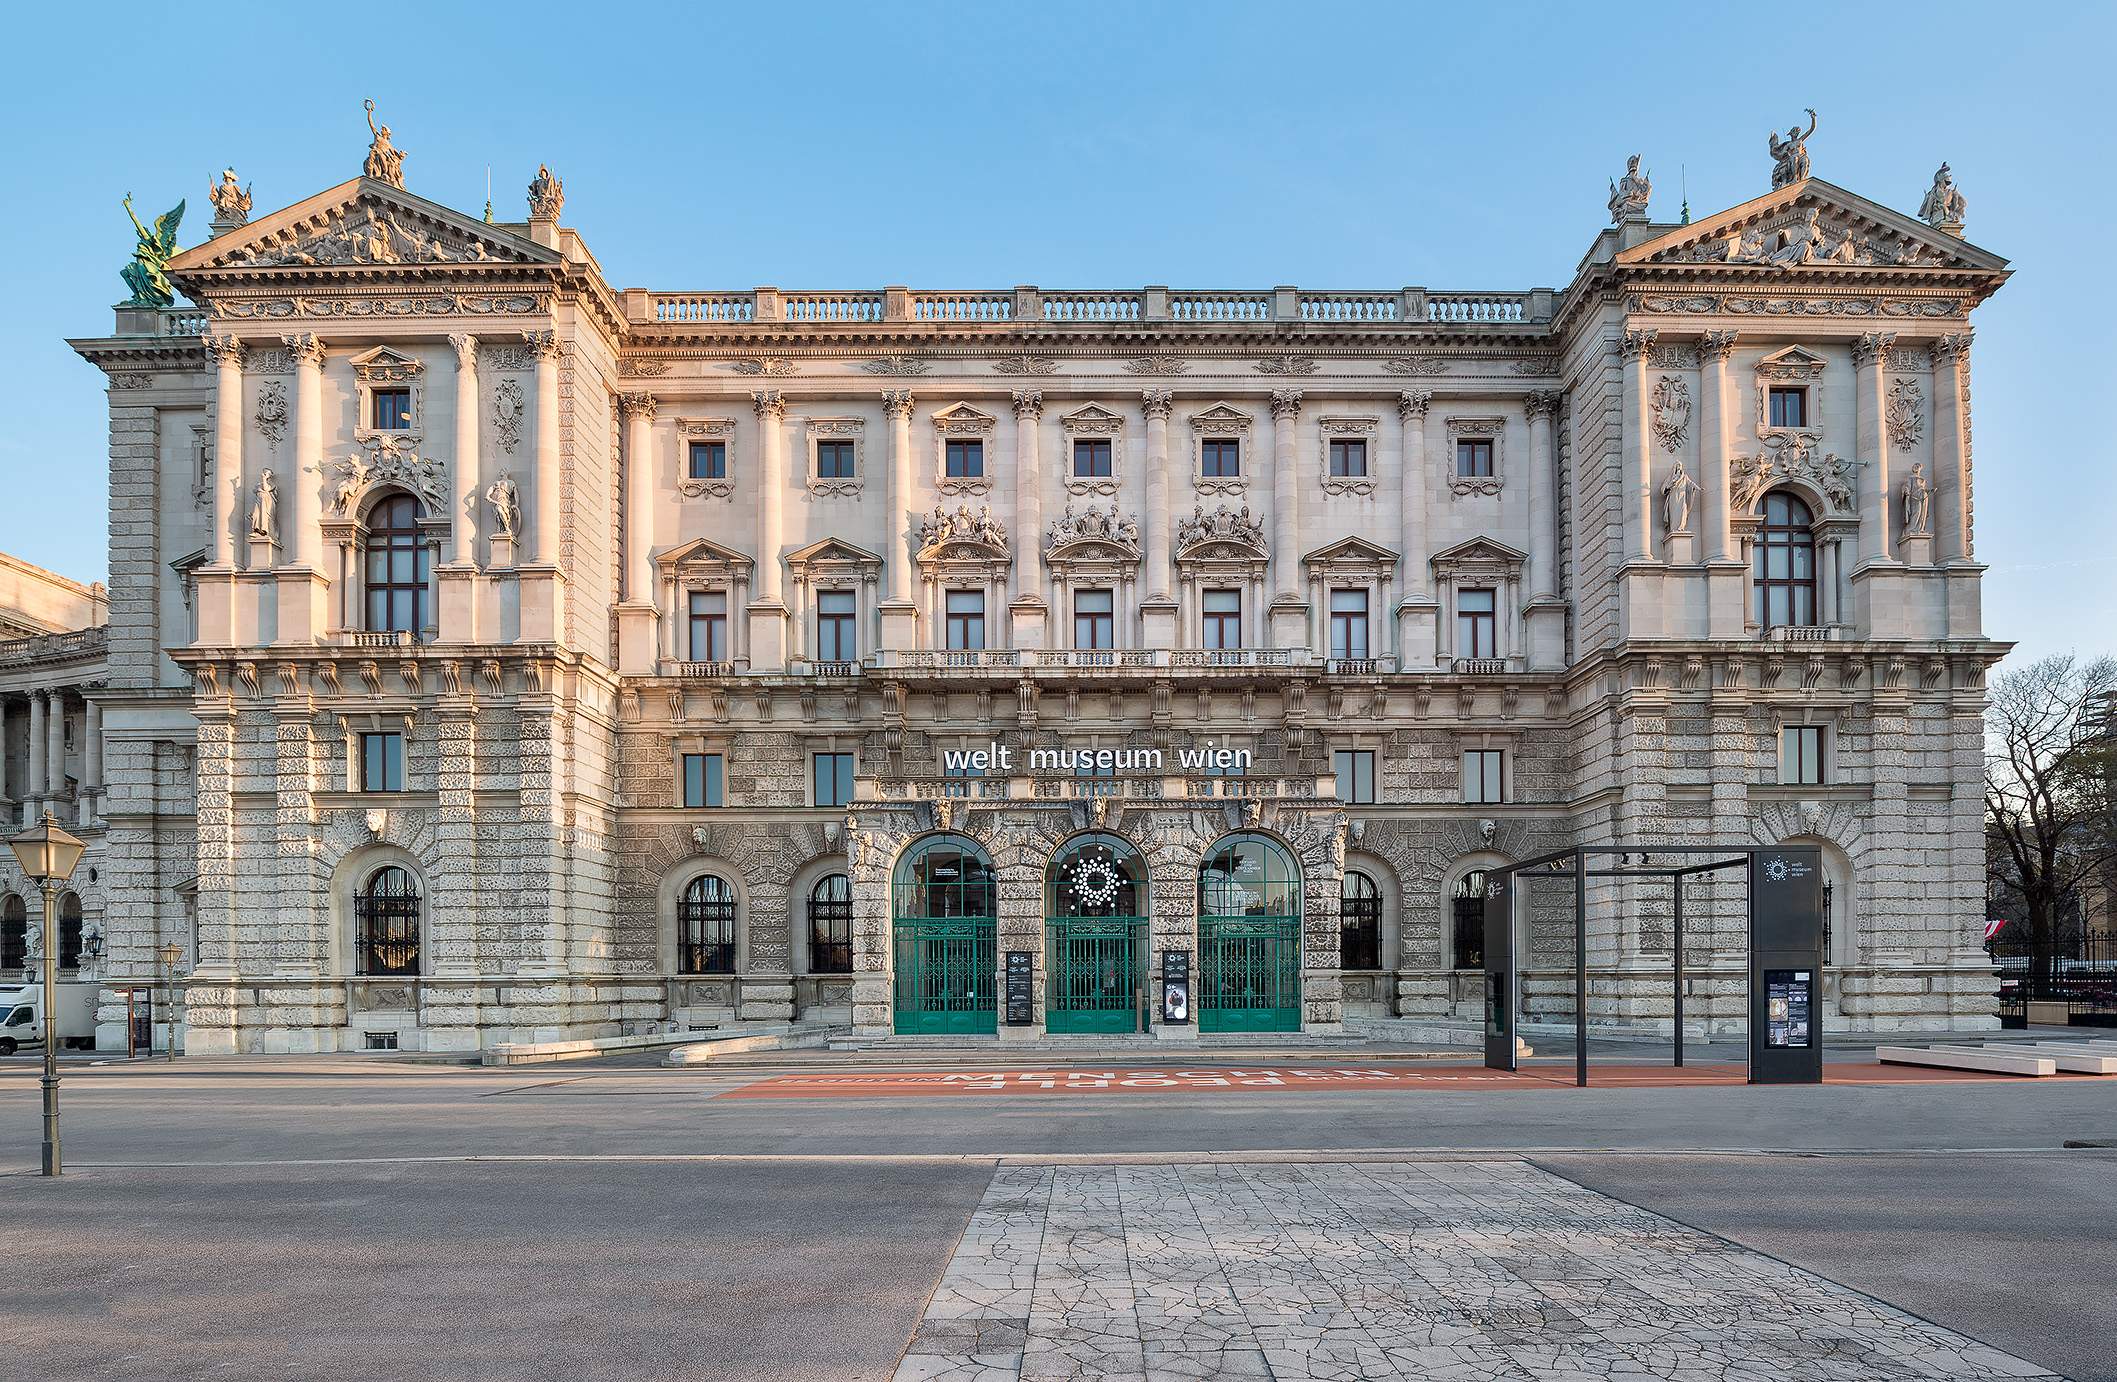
(1997, 1062)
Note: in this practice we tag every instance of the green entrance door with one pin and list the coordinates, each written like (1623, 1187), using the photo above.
(946, 976)
(1095, 904)
(1094, 976)
(1249, 937)
(946, 959)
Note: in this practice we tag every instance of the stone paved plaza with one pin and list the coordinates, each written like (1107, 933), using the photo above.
(1461, 1271)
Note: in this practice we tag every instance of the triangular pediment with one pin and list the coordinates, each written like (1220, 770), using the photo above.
(382, 357)
(1351, 550)
(1092, 415)
(1479, 549)
(1221, 417)
(832, 549)
(1811, 224)
(959, 414)
(700, 549)
(362, 224)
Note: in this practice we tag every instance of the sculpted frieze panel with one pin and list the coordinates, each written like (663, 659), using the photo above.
(418, 305)
(364, 235)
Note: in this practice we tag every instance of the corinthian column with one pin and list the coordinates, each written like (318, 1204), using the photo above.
(227, 353)
(33, 761)
(463, 467)
(1955, 535)
(771, 412)
(1542, 407)
(1028, 601)
(638, 410)
(1639, 444)
(1714, 348)
(1286, 495)
(1157, 404)
(544, 345)
(1871, 437)
(896, 406)
(91, 759)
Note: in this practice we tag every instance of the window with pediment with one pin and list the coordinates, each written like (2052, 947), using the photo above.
(389, 395)
(1790, 393)
(1222, 552)
(963, 450)
(837, 460)
(705, 457)
(1346, 447)
(1095, 448)
(1349, 581)
(1095, 549)
(704, 589)
(1474, 455)
(1479, 584)
(964, 557)
(1220, 450)
(834, 601)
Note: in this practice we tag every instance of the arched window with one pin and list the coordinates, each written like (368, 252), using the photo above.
(14, 933)
(831, 925)
(1249, 876)
(386, 924)
(1467, 910)
(1359, 922)
(394, 552)
(945, 876)
(69, 930)
(1096, 876)
(1785, 563)
(705, 927)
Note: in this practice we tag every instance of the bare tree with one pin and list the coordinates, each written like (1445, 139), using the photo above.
(2050, 767)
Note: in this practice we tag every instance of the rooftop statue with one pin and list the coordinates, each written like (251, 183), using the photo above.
(1629, 194)
(385, 161)
(231, 203)
(148, 273)
(547, 195)
(1944, 201)
(1790, 155)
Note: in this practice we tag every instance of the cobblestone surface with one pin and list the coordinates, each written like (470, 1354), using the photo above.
(1455, 1271)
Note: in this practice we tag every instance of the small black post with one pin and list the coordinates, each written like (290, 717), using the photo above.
(1580, 968)
(1677, 880)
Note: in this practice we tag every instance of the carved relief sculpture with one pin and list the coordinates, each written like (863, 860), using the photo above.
(231, 203)
(1790, 155)
(264, 509)
(547, 195)
(1790, 456)
(148, 273)
(385, 161)
(387, 460)
(508, 408)
(506, 504)
(1105, 525)
(1628, 195)
(1918, 502)
(1237, 527)
(1943, 207)
(1672, 412)
(1679, 497)
(272, 410)
(1905, 411)
(941, 528)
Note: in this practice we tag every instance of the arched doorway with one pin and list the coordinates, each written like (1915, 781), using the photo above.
(1095, 903)
(943, 908)
(1249, 937)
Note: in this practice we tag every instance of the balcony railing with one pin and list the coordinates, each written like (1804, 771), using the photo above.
(391, 638)
(51, 647)
(702, 671)
(1088, 306)
(834, 669)
(1480, 666)
(1231, 657)
(933, 659)
(1804, 633)
(1358, 666)
(1094, 659)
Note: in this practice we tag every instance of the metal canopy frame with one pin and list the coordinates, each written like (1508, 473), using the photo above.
(1576, 864)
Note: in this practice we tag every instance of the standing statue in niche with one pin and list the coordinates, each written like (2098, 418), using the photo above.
(1918, 502)
(385, 161)
(148, 273)
(1629, 194)
(1679, 495)
(506, 504)
(1944, 205)
(264, 509)
(1790, 155)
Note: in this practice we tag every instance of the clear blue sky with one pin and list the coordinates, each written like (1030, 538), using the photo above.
(962, 145)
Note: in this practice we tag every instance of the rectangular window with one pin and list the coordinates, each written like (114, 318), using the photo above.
(707, 460)
(963, 458)
(1221, 613)
(1219, 456)
(1094, 619)
(965, 619)
(1476, 623)
(1348, 624)
(836, 638)
(709, 625)
(832, 775)
(834, 460)
(958, 774)
(704, 780)
(1356, 775)
(1348, 456)
(393, 409)
(1473, 457)
(1091, 456)
(382, 762)
(1789, 407)
(1482, 773)
(1801, 754)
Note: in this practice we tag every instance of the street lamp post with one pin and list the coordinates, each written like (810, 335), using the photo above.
(48, 855)
(169, 954)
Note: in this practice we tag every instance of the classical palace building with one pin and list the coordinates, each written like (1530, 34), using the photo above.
(498, 655)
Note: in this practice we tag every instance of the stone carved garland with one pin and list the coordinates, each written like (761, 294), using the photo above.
(508, 408)
(1905, 411)
(773, 365)
(1025, 364)
(1348, 428)
(272, 410)
(1417, 364)
(1672, 412)
(689, 430)
(1157, 364)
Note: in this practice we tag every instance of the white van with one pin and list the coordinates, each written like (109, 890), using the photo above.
(22, 1016)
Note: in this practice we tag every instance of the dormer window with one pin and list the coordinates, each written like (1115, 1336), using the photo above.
(1789, 407)
(393, 410)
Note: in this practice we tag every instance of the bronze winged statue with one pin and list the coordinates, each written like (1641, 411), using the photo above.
(148, 273)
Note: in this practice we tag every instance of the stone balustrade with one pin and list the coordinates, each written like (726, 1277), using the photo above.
(1202, 306)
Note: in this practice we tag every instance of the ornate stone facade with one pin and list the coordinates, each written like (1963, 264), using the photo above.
(460, 768)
